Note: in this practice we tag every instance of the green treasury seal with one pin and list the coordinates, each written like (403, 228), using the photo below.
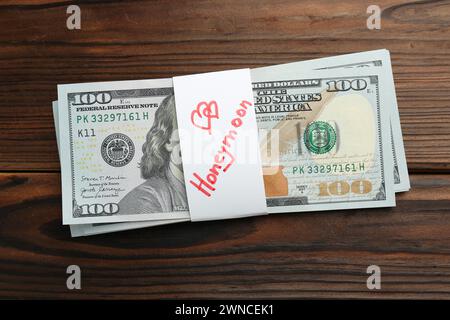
(319, 137)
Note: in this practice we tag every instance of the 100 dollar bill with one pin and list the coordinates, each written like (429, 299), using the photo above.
(118, 152)
(377, 58)
(334, 148)
(79, 230)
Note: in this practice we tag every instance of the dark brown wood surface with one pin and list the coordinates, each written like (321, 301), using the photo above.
(320, 255)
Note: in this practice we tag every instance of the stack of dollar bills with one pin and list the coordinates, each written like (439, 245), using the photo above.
(339, 143)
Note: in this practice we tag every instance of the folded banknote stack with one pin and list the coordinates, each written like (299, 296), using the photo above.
(339, 144)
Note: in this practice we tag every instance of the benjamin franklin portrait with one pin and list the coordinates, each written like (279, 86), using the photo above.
(161, 167)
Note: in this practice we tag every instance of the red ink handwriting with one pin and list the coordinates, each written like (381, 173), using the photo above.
(202, 115)
(223, 158)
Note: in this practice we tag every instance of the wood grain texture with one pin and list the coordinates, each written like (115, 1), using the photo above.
(285, 256)
(152, 39)
(320, 255)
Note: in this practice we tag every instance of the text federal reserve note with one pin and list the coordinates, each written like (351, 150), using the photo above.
(120, 154)
(334, 147)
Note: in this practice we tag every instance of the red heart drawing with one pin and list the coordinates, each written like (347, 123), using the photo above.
(202, 115)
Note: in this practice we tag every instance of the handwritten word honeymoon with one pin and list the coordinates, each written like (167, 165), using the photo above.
(223, 159)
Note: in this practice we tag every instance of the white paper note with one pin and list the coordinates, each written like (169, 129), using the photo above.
(219, 145)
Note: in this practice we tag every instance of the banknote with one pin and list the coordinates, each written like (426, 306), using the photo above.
(83, 230)
(119, 152)
(334, 149)
(376, 58)
(78, 230)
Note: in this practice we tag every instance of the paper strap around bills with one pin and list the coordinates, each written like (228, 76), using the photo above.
(219, 145)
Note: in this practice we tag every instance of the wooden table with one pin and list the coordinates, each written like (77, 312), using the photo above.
(312, 255)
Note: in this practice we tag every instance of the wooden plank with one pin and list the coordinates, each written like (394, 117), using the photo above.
(152, 39)
(134, 22)
(318, 255)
